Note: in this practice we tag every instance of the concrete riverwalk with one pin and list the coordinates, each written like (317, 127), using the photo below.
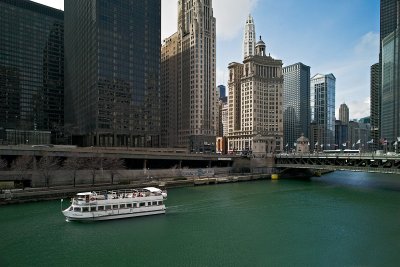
(13, 196)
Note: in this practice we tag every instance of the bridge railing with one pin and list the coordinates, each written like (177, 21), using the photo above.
(341, 168)
(339, 155)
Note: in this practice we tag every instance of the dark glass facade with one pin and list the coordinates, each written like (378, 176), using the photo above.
(222, 93)
(296, 103)
(341, 135)
(390, 112)
(388, 18)
(112, 54)
(322, 105)
(31, 66)
(375, 105)
(388, 23)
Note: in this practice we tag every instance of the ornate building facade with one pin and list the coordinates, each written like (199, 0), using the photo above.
(190, 108)
(255, 102)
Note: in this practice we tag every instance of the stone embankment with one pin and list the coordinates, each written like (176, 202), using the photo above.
(59, 192)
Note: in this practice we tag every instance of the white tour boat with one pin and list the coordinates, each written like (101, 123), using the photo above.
(107, 205)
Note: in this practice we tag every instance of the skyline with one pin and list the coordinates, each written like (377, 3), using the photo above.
(345, 42)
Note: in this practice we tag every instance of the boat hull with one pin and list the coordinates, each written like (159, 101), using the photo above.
(110, 216)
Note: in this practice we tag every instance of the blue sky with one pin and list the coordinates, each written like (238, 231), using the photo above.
(330, 36)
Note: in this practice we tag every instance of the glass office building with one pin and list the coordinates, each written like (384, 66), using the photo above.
(390, 112)
(31, 67)
(388, 23)
(112, 77)
(296, 103)
(322, 104)
(375, 105)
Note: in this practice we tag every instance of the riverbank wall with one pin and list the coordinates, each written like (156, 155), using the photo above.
(14, 196)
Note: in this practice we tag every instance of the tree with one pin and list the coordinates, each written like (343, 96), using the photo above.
(46, 166)
(21, 165)
(113, 165)
(3, 164)
(93, 164)
(74, 164)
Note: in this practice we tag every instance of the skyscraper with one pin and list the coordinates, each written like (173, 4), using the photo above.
(249, 40)
(375, 105)
(341, 135)
(112, 73)
(255, 102)
(222, 110)
(344, 113)
(235, 98)
(390, 98)
(188, 79)
(296, 103)
(31, 68)
(388, 23)
(388, 18)
(322, 111)
(222, 93)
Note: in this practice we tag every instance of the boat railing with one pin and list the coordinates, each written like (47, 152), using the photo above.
(113, 194)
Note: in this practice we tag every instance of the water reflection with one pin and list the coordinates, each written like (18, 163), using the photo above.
(378, 181)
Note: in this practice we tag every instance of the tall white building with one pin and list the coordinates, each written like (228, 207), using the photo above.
(188, 79)
(249, 40)
(255, 102)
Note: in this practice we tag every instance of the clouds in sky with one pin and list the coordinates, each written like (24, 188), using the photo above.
(231, 20)
(353, 75)
(169, 18)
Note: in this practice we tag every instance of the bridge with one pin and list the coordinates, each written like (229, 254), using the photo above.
(363, 162)
(136, 158)
(137, 164)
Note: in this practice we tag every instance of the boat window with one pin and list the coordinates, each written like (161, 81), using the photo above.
(85, 209)
(129, 205)
(142, 204)
(93, 208)
(148, 203)
(160, 202)
(115, 207)
(100, 208)
(154, 203)
(108, 207)
(135, 205)
(78, 209)
(122, 206)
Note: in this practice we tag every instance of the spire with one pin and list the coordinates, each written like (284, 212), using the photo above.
(249, 39)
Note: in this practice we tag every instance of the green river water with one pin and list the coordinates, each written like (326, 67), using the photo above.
(340, 219)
